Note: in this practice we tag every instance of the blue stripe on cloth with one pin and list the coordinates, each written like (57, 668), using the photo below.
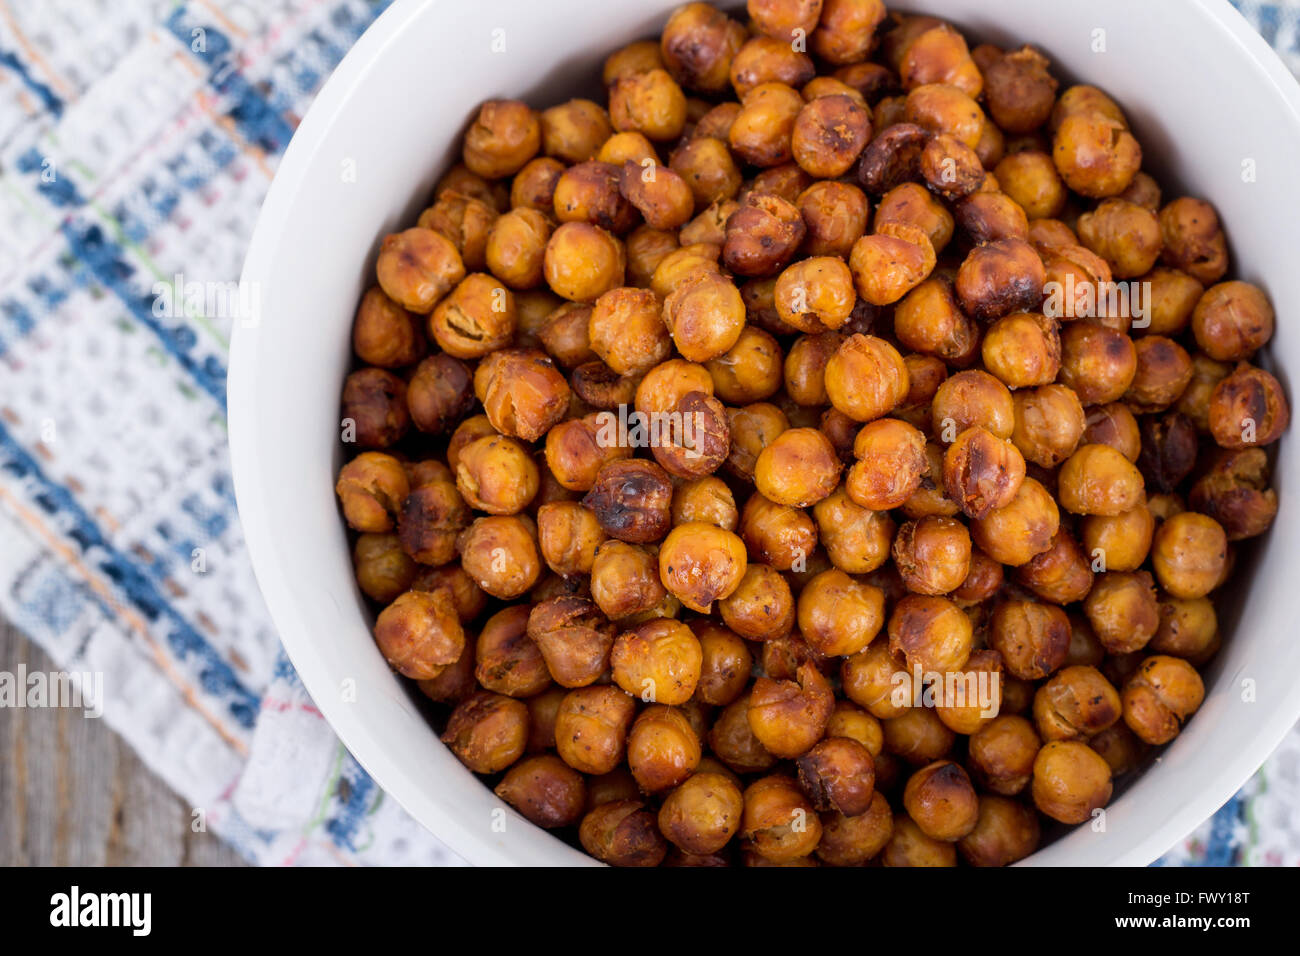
(107, 261)
(215, 675)
(355, 794)
(49, 101)
(58, 190)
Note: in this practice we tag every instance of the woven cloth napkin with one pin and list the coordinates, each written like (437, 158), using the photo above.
(137, 141)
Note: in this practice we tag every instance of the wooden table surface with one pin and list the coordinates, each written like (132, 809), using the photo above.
(72, 793)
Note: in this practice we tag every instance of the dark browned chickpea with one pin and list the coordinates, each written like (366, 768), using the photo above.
(591, 192)
(932, 634)
(456, 681)
(777, 534)
(1033, 638)
(1002, 752)
(1123, 610)
(487, 732)
(545, 790)
(838, 774)
(761, 607)
(1193, 239)
(1023, 350)
(625, 580)
(1071, 781)
(601, 387)
(534, 186)
(1061, 574)
(418, 267)
(623, 833)
(384, 334)
(659, 660)
(840, 615)
(1096, 155)
(798, 468)
(866, 377)
(632, 500)
(789, 717)
(583, 261)
(696, 439)
(1099, 363)
(829, 133)
(950, 168)
(566, 335)
(893, 157)
(646, 249)
(852, 841)
(725, 666)
(986, 216)
(1164, 370)
(500, 553)
(662, 748)
(420, 634)
(1122, 541)
(762, 236)
(981, 473)
(778, 819)
(932, 555)
(805, 367)
(505, 135)
(891, 262)
(698, 43)
(1120, 748)
(1232, 320)
(999, 278)
(431, 518)
(1075, 704)
(1098, 480)
(1248, 408)
(701, 563)
(835, 215)
(508, 661)
(1162, 693)
(439, 393)
(371, 489)
(703, 813)
(707, 166)
(475, 318)
(909, 846)
(930, 498)
(1020, 91)
(374, 411)
(939, 798)
(815, 294)
(1114, 424)
(682, 264)
(891, 463)
(1189, 554)
(982, 582)
(1005, 831)
(1235, 493)
(1030, 179)
(496, 475)
(1170, 446)
(734, 743)
(764, 59)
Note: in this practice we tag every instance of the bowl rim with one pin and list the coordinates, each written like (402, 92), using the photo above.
(257, 515)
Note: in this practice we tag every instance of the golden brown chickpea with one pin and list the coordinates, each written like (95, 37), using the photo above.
(866, 378)
(708, 168)
(698, 43)
(464, 220)
(939, 798)
(573, 637)
(431, 518)
(650, 103)
(638, 57)
(1193, 239)
(583, 261)
(852, 841)
(709, 225)
(1164, 370)
(932, 634)
(703, 813)
(909, 846)
(646, 248)
(930, 498)
(626, 331)
(568, 535)
(417, 267)
(1002, 752)
(846, 30)
(590, 192)
(1162, 693)
(459, 179)
(1049, 423)
(591, 728)
(623, 833)
(496, 475)
(987, 216)
(891, 262)
(705, 316)
(1016, 532)
(950, 168)
(1023, 350)
(815, 294)
(1061, 574)
(574, 131)
(374, 408)
(761, 132)
(542, 711)
(856, 538)
(764, 59)
(523, 393)
(929, 320)
(932, 555)
(706, 499)
(1123, 233)
(476, 318)
(508, 661)
(1032, 637)
(725, 666)
(1005, 831)
(762, 235)
(455, 682)
(779, 820)
(534, 186)
(1019, 90)
(545, 790)
(734, 743)
(505, 135)
(876, 679)
(750, 370)
(577, 449)
(972, 399)
(835, 215)
(658, 660)
(659, 194)
(1099, 363)
(420, 634)
(784, 20)
(683, 263)
(850, 720)
(912, 204)
(632, 500)
(662, 748)
(1121, 541)
(1144, 191)
(487, 732)
(971, 697)
(1248, 408)
(516, 248)
(798, 468)
(696, 440)
(1071, 781)
(945, 109)
(1232, 320)
(1122, 610)
(1189, 554)
(1075, 704)
(384, 334)
(840, 615)
(999, 278)
(500, 553)
(1030, 179)
(1098, 480)
(981, 472)
(761, 607)
(383, 570)
(838, 774)
(891, 463)
(777, 534)
(701, 563)
(1235, 493)
(789, 717)
(565, 335)
(625, 579)
(1095, 155)
(805, 367)
(829, 133)
(371, 489)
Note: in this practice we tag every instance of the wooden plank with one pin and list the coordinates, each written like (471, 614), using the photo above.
(72, 793)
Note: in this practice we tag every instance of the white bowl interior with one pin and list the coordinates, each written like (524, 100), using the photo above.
(1205, 96)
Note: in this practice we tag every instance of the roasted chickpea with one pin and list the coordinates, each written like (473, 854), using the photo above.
(1049, 423)
(384, 334)
(829, 133)
(866, 377)
(1075, 704)
(890, 464)
(383, 570)
(573, 637)
(516, 248)
(1014, 533)
(420, 634)
(632, 499)
(1193, 240)
(732, 740)
(1114, 424)
(986, 216)
(477, 317)
(583, 261)
(1232, 320)
(1188, 629)
(650, 103)
(706, 499)
(545, 790)
(762, 235)
(950, 168)
(1164, 370)
(982, 582)
(496, 475)
(701, 563)
(929, 498)
(705, 316)
(439, 393)
(1019, 90)
(939, 798)
(1096, 155)
(761, 606)
(1189, 554)
(431, 518)
(459, 179)
(929, 320)
(876, 679)
(534, 186)
(761, 132)
(708, 168)
(500, 552)
(1030, 179)
(625, 580)
(487, 732)
(464, 220)
(374, 409)
(777, 534)
(1099, 363)
(778, 819)
(508, 661)
(893, 157)
(591, 728)
(1002, 752)
(932, 555)
(662, 748)
(789, 717)
(971, 399)
(852, 841)
(815, 294)
(981, 473)
(1120, 748)
(1005, 831)
(765, 59)
(943, 108)
(658, 193)
(626, 331)
(891, 262)
(838, 774)
(1123, 233)
(725, 664)
(504, 136)
(703, 813)
(698, 43)
(798, 468)
(805, 367)
(1162, 693)
(1122, 610)
(750, 370)
(1032, 637)
(1000, 277)
(840, 615)
(835, 215)
(623, 833)
(931, 634)
(371, 489)
(1235, 493)
(659, 660)
(1248, 408)
(523, 393)
(637, 57)
(972, 696)
(914, 205)
(577, 449)
(1070, 781)
(1098, 480)
(909, 846)
(418, 267)
(1023, 350)
(857, 539)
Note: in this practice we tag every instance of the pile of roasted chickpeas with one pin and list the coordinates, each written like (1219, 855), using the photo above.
(828, 236)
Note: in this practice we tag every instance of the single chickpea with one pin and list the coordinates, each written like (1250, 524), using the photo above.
(1032, 637)
(697, 45)
(545, 790)
(762, 235)
(764, 59)
(890, 464)
(1075, 704)
(568, 535)
(852, 841)
(725, 664)
(815, 294)
(534, 186)
(625, 580)
(835, 215)
(1099, 363)
(1232, 321)
(645, 249)
(583, 261)
(950, 168)
(1189, 554)
(1162, 693)
(1123, 610)
(384, 334)
(371, 489)
(929, 320)
(658, 660)
(500, 552)
(1234, 492)
(914, 205)
(761, 132)
(1002, 752)
(846, 30)
(877, 680)
(577, 449)
(522, 391)
(1030, 179)
(930, 498)
(982, 582)
(829, 133)
(632, 500)
(798, 468)
(418, 267)
(1164, 370)
(1188, 629)
(650, 103)
(505, 135)
(931, 634)
(705, 316)
(981, 473)
(975, 697)
(662, 748)
(857, 539)
(374, 407)
(1248, 408)
(383, 570)
(508, 661)
(626, 331)
(1062, 574)
(487, 732)
(701, 563)
(909, 846)
(789, 717)
(1023, 350)
(750, 370)
(460, 180)
(999, 278)
(709, 169)
(1123, 233)
(420, 634)
(463, 219)
(939, 798)
(1005, 831)
(1098, 480)
(866, 378)
(573, 637)
(1020, 90)
(778, 819)
(734, 743)
(496, 475)
(1095, 155)
(638, 57)
(986, 216)
(761, 607)
(703, 813)
(893, 157)
(1070, 781)
(942, 108)
(838, 774)
(1193, 239)
(891, 262)
(623, 833)
(805, 367)
(439, 393)
(932, 555)
(777, 534)
(431, 518)
(839, 615)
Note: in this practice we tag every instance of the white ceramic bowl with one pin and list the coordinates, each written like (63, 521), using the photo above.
(1205, 95)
